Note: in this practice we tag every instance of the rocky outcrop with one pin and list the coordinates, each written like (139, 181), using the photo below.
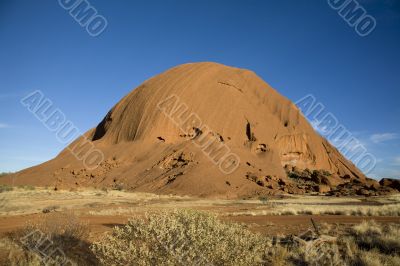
(392, 183)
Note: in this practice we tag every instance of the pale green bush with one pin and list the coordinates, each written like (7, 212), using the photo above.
(183, 237)
(188, 237)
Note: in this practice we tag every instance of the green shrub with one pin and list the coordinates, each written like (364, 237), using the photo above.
(5, 188)
(118, 187)
(27, 187)
(263, 199)
(183, 237)
(4, 173)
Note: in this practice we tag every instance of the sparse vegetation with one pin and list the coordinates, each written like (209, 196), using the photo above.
(370, 235)
(5, 188)
(317, 209)
(365, 244)
(55, 232)
(263, 199)
(27, 187)
(370, 243)
(307, 176)
(5, 173)
(118, 187)
(187, 237)
(180, 238)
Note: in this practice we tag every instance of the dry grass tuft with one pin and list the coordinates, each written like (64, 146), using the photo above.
(370, 235)
(317, 209)
(55, 237)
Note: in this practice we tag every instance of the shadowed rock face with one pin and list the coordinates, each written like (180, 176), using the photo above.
(155, 139)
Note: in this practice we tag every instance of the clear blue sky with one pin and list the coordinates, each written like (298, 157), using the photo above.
(297, 46)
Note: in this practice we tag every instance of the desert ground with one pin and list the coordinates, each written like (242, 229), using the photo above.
(163, 192)
(272, 217)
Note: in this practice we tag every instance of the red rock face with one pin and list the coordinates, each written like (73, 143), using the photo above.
(157, 136)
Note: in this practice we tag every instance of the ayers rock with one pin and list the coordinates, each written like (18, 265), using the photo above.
(170, 135)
